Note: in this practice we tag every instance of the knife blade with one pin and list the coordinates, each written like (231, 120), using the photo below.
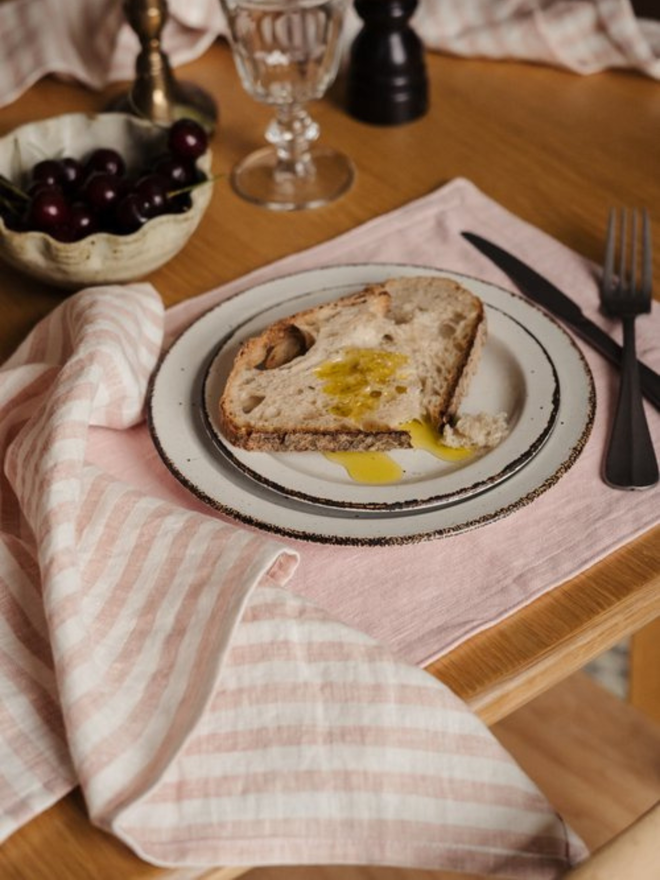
(555, 301)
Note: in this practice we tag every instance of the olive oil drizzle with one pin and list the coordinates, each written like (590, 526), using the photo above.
(373, 468)
(357, 383)
(424, 436)
(361, 379)
(378, 468)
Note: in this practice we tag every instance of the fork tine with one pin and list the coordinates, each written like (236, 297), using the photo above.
(647, 270)
(622, 247)
(608, 266)
(633, 254)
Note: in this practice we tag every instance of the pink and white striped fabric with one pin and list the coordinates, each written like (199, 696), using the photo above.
(153, 655)
(90, 41)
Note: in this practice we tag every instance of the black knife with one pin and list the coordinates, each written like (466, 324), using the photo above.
(543, 292)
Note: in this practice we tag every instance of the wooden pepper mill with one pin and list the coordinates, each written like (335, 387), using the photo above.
(387, 82)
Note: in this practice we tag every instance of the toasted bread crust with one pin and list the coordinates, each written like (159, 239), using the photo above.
(316, 441)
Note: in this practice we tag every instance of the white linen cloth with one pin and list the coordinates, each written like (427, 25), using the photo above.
(91, 41)
(152, 655)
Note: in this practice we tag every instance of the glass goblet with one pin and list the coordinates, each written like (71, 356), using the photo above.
(287, 53)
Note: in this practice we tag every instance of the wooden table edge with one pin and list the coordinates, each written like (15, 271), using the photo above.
(599, 620)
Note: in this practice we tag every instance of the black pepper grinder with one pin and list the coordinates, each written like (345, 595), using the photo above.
(386, 81)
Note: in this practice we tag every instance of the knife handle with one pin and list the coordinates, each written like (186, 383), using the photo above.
(649, 379)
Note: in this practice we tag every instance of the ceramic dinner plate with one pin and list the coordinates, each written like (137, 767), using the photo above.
(516, 376)
(530, 368)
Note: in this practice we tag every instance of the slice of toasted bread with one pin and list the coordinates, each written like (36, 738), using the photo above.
(347, 375)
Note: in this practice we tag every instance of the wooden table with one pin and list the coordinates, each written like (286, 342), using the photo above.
(554, 148)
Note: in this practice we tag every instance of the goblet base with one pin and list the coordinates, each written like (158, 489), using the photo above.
(259, 179)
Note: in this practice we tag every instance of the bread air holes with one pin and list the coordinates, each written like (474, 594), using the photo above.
(447, 330)
(288, 342)
(251, 402)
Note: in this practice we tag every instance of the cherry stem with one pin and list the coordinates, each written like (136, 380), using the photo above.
(192, 186)
(16, 190)
(6, 203)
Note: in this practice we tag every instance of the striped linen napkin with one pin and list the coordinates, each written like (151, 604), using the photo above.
(152, 655)
(90, 41)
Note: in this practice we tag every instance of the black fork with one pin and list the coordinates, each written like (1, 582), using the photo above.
(626, 293)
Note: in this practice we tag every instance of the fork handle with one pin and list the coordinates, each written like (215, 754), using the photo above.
(630, 462)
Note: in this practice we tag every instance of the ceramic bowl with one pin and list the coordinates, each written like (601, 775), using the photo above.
(100, 258)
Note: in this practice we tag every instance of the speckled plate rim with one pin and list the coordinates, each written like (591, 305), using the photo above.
(427, 481)
(178, 430)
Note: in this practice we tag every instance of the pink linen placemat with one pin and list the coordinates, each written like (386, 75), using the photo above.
(426, 598)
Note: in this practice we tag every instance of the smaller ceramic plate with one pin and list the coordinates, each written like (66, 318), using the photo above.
(515, 376)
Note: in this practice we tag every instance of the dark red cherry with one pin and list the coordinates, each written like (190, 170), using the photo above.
(82, 221)
(39, 186)
(152, 189)
(180, 204)
(179, 172)
(48, 171)
(102, 191)
(72, 172)
(48, 210)
(187, 139)
(130, 213)
(106, 161)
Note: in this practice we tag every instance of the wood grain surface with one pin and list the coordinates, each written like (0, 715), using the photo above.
(552, 147)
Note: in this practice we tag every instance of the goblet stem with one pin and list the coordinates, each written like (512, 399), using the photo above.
(292, 132)
(287, 53)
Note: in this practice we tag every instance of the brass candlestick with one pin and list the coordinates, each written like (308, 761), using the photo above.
(155, 93)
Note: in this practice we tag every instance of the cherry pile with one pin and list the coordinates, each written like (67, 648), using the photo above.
(69, 198)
